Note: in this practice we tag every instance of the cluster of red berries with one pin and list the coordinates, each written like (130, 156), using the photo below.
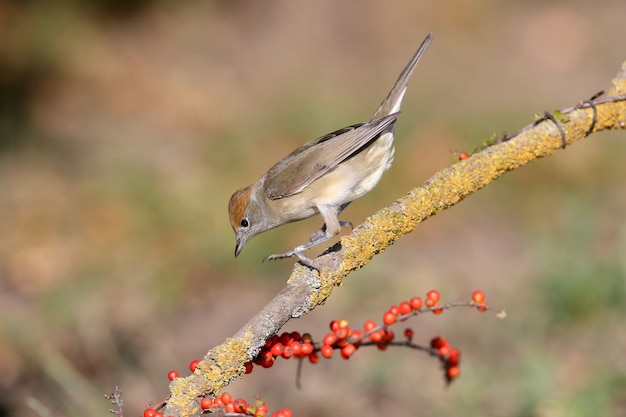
(240, 406)
(449, 356)
(223, 402)
(227, 404)
(347, 340)
(342, 337)
(413, 306)
(151, 412)
(287, 345)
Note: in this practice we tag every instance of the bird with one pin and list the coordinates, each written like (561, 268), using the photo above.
(322, 176)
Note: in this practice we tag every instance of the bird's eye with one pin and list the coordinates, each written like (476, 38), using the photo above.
(245, 222)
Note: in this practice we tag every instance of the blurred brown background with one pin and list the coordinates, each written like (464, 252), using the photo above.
(125, 127)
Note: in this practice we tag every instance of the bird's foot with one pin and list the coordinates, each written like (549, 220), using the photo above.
(297, 251)
(316, 238)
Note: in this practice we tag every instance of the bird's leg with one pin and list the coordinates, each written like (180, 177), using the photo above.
(319, 233)
(325, 233)
(346, 225)
(322, 230)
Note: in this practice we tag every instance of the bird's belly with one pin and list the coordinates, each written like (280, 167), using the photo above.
(354, 177)
(348, 181)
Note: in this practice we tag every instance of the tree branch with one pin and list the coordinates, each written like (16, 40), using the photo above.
(307, 288)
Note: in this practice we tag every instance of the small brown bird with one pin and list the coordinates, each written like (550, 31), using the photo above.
(322, 176)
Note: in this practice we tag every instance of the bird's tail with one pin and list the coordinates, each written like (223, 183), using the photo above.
(393, 101)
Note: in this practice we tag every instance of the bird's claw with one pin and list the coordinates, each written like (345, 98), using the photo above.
(294, 252)
(316, 238)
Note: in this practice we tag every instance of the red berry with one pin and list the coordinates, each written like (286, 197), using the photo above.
(388, 335)
(408, 333)
(347, 350)
(158, 414)
(249, 367)
(405, 307)
(357, 337)
(443, 350)
(416, 303)
(266, 356)
(172, 375)
(482, 307)
(369, 325)
(307, 348)
(269, 342)
(334, 325)
(226, 398)
(313, 357)
(266, 362)
(206, 403)
(229, 408)
(193, 365)
(285, 338)
(389, 318)
(326, 351)
(433, 295)
(149, 412)
(478, 296)
(438, 311)
(342, 333)
(217, 402)
(240, 405)
(296, 336)
(395, 310)
(454, 357)
(377, 336)
(296, 348)
(330, 339)
(452, 372)
(277, 349)
(307, 338)
(287, 352)
(438, 341)
(341, 343)
(382, 346)
(463, 156)
(430, 303)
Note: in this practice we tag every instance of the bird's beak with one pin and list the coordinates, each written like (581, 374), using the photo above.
(239, 245)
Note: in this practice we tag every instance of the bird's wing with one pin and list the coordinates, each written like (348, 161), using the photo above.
(320, 156)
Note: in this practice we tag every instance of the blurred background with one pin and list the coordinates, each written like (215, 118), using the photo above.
(126, 126)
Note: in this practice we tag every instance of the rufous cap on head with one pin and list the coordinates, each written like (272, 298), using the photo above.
(237, 206)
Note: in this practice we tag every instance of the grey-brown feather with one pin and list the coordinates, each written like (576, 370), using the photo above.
(320, 156)
(393, 100)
